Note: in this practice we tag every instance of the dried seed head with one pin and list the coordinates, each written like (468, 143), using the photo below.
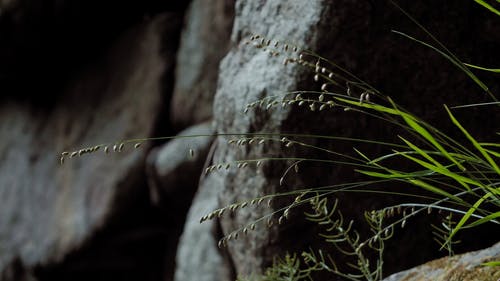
(259, 163)
(322, 96)
(281, 219)
(73, 154)
(220, 212)
(62, 160)
(330, 75)
(106, 149)
(295, 49)
(121, 147)
(262, 141)
(312, 106)
(323, 70)
(296, 168)
(137, 145)
(191, 152)
(316, 77)
(115, 147)
(403, 223)
(323, 106)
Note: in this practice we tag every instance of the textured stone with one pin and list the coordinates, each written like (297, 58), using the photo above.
(173, 172)
(246, 75)
(204, 41)
(198, 257)
(465, 267)
(50, 210)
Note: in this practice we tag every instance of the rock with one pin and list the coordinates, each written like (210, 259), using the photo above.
(248, 74)
(49, 210)
(173, 172)
(204, 41)
(198, 257)
(463, 267)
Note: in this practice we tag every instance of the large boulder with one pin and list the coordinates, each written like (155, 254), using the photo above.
(50, 210)
(204, 41)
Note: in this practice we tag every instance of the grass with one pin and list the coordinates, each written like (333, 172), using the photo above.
(456, 175)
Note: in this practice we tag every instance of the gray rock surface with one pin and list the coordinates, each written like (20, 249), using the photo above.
(465, 267)
(246, 75)
(198, 257)
(50, 210)
(172, 170)
(204, 41)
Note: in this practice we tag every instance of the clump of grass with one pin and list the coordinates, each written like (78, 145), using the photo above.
(458, 176)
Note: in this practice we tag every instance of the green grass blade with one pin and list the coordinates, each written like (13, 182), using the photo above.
(456, 62)
(495, 70)
(483, 220)
(422, 153)
(491, 263)
(488, 6)
(474, 142)
(464, 181)
(465, 217)
(434, 189)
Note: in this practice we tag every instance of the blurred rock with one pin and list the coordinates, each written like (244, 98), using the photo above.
(49, 210)
(175, 168)
(204, 41)
(36, 34)
(465, 267)
(198, 257)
